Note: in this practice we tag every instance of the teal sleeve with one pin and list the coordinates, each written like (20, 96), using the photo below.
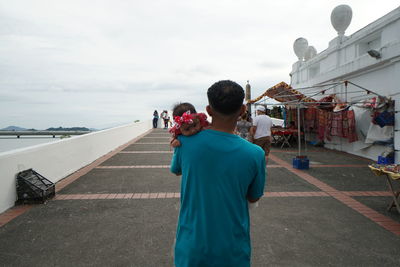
(256, 188)
(176, 161)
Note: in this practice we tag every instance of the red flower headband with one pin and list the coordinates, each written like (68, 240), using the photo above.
(185, 118)
(188, 119)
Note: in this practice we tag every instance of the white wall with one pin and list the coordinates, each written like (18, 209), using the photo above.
(57, 160)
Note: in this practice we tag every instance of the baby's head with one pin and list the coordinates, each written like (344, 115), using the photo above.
(181, 108)
(187, 128)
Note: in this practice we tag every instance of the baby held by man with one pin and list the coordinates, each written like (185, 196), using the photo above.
(188, 122)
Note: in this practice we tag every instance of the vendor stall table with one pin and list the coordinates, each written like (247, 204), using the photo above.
(391, 173)
(283, 136)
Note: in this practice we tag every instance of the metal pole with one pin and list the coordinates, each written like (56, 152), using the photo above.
(284, 117)
(304, 128)
(298, 128)
(248, 97)
(367, 90)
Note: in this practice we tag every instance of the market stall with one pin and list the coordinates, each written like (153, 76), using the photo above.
(392, 174)
(327, 111)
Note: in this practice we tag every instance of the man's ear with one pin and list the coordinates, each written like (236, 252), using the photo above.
(209, 110)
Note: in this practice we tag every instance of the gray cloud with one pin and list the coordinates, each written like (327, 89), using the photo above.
(272, 65)
(113, 61)
(8, 98)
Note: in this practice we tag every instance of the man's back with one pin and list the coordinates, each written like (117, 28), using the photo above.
(219, 171)
(263, 124)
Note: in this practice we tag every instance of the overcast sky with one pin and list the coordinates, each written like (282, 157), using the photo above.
(105, 63)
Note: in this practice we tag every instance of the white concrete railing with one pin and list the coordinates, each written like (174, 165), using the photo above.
(58, 159)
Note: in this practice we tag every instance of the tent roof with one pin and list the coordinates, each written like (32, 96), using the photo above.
(283, 92)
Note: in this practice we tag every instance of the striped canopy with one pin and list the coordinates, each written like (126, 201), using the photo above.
(283, 92)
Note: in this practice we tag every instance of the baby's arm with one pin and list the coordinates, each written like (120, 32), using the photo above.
(175, 143)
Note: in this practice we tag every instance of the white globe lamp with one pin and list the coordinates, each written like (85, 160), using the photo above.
(310, 53)
(300, 46)
(341, 18)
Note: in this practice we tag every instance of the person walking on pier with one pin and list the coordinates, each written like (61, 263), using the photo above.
(260, 132)
(221, 174)
(243, 126)
(155, 119)
(165, 117)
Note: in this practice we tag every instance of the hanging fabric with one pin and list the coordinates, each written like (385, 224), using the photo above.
(310, 119)
(328, 127)
(352, 134)
(321, 124)
(345, 124)
(336, 124)
(384, 119)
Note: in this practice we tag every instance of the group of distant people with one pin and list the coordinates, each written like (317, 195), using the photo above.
(223, 175)
(164, 116)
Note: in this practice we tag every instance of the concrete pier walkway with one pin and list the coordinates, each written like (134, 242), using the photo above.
(122, 211)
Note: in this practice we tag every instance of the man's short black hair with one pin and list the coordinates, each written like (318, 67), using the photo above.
(225, 97)
(181, 108)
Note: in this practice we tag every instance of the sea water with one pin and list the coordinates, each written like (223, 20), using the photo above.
(8, 143)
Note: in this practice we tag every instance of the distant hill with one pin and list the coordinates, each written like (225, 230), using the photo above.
(68, 129)
(13, 128)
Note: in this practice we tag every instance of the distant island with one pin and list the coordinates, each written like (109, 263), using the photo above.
(13, 128)
(17, 128)
(68, 129)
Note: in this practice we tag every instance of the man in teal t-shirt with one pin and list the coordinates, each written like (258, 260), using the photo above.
(221, 173)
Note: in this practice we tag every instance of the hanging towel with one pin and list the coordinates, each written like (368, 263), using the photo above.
(321, 124)
(352, 136)
(310, 119)
(336, 123)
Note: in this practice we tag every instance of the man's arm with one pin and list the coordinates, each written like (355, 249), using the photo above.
(253, 128)
(252, 131)
(256, 188)
(176, 162)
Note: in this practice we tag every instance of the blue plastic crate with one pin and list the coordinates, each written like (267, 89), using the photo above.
(302, 163)
(385, 160)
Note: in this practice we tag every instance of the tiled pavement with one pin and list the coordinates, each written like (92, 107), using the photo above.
(122, 211)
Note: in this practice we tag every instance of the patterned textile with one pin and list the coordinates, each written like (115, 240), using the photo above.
(328, 127)
(321, 124)
(310, 119)
(351, 120)
(341, 124)
(336, 124)
(345, 123)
